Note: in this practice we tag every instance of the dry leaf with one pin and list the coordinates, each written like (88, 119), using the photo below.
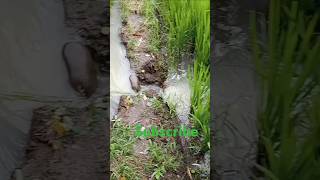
(59, 128)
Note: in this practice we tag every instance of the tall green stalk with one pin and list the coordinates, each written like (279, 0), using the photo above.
(290, 93)
(188, 28)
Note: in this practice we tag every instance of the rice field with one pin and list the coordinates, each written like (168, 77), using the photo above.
(289, 119)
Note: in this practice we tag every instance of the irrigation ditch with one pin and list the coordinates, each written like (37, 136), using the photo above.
(166, 86)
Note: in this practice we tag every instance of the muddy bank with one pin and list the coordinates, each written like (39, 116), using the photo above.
(67, 143)
(149, 67)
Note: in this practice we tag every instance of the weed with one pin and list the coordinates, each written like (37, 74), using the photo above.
(156, 104)
(124, 10)
(121, 151)
(132, 44)
(162, 159)
(152, 23)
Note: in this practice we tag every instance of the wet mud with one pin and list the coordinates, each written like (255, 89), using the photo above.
(69, 140)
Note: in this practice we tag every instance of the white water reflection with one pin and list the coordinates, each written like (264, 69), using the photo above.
(178, 94)
(119, 64)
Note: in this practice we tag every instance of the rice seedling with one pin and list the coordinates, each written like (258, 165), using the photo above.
(288, 120)
(178, 17)
(199, 78)
(187, 24)
(202, 31)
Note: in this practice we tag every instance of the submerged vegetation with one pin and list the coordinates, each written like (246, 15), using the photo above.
(289, 119)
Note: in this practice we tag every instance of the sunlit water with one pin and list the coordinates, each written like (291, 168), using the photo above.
(177, 93)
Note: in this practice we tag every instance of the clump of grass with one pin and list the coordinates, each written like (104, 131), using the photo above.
(188, 28)
(123, 162)
(152, 22)
(124, 10)
(199, 78)
(163, 159)
(289, 123)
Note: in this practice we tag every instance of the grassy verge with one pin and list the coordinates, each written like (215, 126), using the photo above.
(289, 123)
(152, 22)
(123, 161)
(163, 159)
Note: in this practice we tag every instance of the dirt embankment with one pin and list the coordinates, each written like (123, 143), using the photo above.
(70, 141)
(147, 107)
(149, 67)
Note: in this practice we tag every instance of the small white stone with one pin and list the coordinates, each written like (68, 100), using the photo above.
(144, 97)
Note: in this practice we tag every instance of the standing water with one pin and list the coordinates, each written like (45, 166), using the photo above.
(177, 93)
(119, 64)
(31, 37)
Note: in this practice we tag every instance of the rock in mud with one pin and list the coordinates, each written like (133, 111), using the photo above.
(81, 68)
(134, 82)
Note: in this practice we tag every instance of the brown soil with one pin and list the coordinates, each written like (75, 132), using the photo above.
(138, 109)
(148, 66)
(69, 142)
(89, 19)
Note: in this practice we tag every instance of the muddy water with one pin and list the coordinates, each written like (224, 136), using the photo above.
(119, 64)
(235, 92)
(178, 93)
(31, 37)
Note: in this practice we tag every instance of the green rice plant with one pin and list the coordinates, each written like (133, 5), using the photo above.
(288, 117)
(188, 24)
(188, 29)
(199, 79)
(202, 31)
(178, 17)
